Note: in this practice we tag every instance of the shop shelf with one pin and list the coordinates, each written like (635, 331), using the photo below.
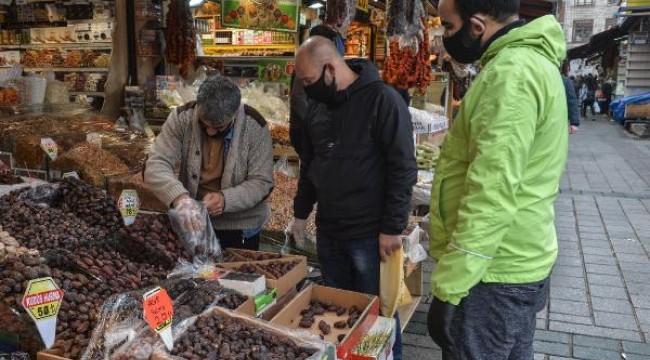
(68, 69)
(92, 46)
(89, 93)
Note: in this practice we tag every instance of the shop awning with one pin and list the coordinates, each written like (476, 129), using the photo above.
(603, 40)
(532, 9)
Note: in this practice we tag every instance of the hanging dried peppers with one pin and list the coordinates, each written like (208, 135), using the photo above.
(407, 64)
(340, 13)
(180, 36)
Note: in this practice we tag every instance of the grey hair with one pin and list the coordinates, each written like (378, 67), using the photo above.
(218, 99)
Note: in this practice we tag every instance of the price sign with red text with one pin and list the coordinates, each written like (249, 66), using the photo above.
(42, 302)
(159, 313)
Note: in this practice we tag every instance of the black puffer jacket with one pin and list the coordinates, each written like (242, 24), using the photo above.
(358, 160)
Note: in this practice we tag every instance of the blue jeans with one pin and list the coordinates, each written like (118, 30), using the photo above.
(353, 264)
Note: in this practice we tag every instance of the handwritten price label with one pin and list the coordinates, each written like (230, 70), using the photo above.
(42, 301)
(49, 146)
(159, 313)
(95, 139)
(129, 205)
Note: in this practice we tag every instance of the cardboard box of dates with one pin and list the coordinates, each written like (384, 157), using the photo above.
(282, 274)
(337, 316)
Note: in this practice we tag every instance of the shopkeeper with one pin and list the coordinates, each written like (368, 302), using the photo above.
(226, 161)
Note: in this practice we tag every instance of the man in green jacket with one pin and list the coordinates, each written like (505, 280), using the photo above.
(492, 230)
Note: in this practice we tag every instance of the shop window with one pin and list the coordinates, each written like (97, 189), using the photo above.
(610, 23)
(582, 30)
(613, 2)
(584, 2)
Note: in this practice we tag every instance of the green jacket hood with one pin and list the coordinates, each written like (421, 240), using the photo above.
(544, 35)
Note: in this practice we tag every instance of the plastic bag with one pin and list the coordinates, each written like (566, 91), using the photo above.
(42, 195)
(282, 166)
(191, 222)
(393, 292)
(596, 107)
(137, 121)
(413, 250)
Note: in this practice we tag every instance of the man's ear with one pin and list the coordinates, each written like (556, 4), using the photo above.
(477, 26)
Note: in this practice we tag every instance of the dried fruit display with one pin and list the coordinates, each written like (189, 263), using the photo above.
(8, 179)
(151, 239)
(256, 255)
(44, 229)
(213, 336)
(280, 133)
(90, 204)
(281, 201)
(10, 247)
(102, 61)
(9, 96)
(248, 269)
(279, 268)
(180, 36)
(407, 64)
(91, 163)
(42, 58)
(318, 308)
(73, 59)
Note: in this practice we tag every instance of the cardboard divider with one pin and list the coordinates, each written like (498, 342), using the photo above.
(369, 305)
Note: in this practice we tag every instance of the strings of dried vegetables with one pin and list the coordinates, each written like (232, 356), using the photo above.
(340, 13)
(407, 64)
(180, 36)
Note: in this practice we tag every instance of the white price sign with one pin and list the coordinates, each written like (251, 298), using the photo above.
(129, 205)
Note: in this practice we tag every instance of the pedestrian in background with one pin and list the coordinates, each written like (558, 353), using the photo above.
(588, 96)
(571, 100)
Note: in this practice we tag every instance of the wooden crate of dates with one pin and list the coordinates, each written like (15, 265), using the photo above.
(337, 316)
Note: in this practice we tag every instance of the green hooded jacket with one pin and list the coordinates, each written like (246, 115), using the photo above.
(498, 175)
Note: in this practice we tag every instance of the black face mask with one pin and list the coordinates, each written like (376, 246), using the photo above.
(462, 47)
(320, 91)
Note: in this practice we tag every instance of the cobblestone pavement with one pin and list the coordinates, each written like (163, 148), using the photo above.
(599, 305)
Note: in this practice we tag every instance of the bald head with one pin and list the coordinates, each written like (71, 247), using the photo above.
(313, 55)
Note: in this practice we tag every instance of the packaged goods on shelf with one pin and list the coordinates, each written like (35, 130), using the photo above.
(267, 101)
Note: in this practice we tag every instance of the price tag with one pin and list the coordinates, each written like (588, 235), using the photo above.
(159, 314)
(95, 139)
(42, 302)
(71, 174)
(129, 205)
(49, 146)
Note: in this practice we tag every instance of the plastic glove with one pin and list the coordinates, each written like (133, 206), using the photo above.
(189, 215)
(439, 322)
(298, 230)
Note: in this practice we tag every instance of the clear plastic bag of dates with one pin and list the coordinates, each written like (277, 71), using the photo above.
(191, 222)
(46, 194)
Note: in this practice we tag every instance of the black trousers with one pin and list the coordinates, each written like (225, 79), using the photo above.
(588, 103)
(236, 239)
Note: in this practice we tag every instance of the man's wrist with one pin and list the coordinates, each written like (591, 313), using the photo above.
(179, 198)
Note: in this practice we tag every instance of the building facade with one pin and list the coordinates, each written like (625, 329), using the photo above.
(583, 18)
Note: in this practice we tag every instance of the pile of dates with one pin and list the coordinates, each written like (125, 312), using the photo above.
(257, 255)
(151, 236)
(279, 268)
(214, 337)
(89, 204)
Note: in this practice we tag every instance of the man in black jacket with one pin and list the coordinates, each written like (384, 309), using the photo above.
(357, 163)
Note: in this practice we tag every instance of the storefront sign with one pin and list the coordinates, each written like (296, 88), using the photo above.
(42, 302)
(129, 205)
(49, 146)
(280, 15)
(159, 314)
(363, 5)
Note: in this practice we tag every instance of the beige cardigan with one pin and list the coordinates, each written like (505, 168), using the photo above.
(248, 173)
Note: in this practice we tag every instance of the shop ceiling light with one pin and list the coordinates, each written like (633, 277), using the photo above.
(194, 3)
(316, 5)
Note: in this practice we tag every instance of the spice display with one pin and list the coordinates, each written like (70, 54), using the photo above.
(180, 36)
(9, 96)
(280, 133)
(91, 163)
(278, 268)
(213, 336)
(151, 239)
